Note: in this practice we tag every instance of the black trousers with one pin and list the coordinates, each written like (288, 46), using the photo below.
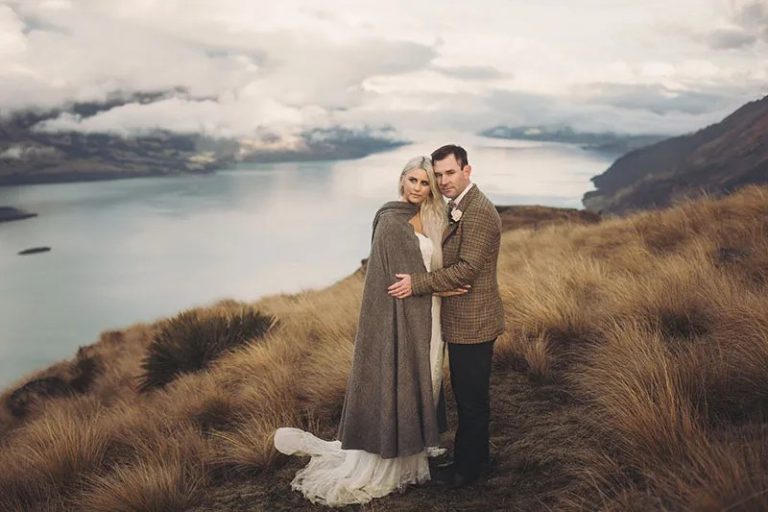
(471, 380)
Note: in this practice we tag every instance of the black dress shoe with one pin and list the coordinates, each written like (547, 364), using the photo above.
(445, 462)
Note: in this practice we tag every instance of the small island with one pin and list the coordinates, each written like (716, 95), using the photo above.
(34, 250)
(9, 213)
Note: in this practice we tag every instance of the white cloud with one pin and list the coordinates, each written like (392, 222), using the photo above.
(23, 152)
(12, 41)
(226, 117)
(291, 65)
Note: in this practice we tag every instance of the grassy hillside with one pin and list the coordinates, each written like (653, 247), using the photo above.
(633, 376)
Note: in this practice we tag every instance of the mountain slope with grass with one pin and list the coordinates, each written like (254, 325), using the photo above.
(715, 160)
(632, 376)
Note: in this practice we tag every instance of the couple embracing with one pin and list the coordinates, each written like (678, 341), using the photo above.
(431, 281)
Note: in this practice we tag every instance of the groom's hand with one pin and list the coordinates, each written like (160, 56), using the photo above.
(402, 288)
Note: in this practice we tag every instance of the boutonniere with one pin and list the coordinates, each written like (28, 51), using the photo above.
(455, 215)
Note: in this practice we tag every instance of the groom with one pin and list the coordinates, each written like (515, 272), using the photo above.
(470, 322)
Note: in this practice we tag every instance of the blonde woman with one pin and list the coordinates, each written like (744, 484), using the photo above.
(389, 422)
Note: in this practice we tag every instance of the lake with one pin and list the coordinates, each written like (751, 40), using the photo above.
(134, 250)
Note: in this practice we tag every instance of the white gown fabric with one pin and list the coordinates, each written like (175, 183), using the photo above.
(337, 477)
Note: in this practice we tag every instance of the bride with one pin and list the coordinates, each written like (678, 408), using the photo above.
(389, 422)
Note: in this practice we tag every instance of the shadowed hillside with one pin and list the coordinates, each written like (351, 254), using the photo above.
(717, 160)
(633, 376)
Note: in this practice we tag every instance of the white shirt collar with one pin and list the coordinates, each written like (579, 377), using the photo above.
(461, 196)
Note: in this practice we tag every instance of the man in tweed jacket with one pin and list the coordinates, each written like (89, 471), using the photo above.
(470, 322)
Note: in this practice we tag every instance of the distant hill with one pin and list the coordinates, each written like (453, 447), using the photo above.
(715, 160)
(604, 142)
(535, 216)
(334, 143)
(31, 155)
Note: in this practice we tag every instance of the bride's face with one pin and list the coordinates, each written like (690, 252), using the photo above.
(415, 186)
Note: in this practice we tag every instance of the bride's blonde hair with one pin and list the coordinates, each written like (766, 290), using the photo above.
(432, 210)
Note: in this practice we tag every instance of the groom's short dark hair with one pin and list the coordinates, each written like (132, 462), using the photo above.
(458, 152)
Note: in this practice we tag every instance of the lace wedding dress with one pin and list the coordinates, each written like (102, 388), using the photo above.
(338, 477)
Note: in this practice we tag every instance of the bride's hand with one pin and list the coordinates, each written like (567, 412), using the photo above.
(451, 293)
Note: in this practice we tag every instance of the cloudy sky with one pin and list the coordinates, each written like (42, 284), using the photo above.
(239, 67)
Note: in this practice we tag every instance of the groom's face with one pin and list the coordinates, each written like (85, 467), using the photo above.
(451, 178)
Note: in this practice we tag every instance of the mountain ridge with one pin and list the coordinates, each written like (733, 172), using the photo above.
(30, 154)
(715, 160)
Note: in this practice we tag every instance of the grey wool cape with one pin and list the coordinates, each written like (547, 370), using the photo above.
(388, 407)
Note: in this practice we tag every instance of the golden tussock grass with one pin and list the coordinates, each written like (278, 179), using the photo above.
(633, 375)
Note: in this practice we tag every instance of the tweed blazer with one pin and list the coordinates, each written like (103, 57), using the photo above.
(470, 255)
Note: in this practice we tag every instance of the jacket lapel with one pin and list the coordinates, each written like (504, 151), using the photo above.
(465, 201)
(449, 231)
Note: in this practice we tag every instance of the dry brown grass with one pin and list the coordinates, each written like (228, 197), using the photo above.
(633, 376)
